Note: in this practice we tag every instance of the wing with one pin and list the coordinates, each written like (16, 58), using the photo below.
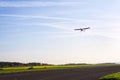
(77, 29)
(86, 28)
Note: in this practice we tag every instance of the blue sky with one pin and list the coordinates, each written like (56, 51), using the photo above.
(43, 31)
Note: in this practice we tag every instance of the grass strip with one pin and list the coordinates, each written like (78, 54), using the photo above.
(114, 76)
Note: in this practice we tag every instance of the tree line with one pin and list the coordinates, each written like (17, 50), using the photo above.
(17, 64)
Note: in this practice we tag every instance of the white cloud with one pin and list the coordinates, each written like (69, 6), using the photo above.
(36, 3)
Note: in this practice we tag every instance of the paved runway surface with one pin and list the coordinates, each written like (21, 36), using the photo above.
(92, 73)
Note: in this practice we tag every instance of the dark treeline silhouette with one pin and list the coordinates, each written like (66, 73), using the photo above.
(17, 64)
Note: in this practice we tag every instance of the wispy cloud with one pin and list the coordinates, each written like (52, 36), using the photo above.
(103, 25)
(69, 27)
(58, 26)
(47, 17)
(36, 3)
(69, 31)
(112, 16)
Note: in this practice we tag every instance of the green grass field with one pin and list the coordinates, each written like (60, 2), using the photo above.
(36, 68)
(114, 76)
(42, 68)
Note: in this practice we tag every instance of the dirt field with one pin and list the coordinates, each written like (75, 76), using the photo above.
(68, 74)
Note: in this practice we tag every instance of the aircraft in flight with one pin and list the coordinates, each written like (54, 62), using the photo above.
(83, 29)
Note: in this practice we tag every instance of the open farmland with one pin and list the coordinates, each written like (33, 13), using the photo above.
(88, 73)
